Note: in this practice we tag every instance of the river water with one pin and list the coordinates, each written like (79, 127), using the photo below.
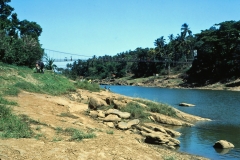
(222, 107)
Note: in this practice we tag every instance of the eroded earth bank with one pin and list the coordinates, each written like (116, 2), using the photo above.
(109, 132)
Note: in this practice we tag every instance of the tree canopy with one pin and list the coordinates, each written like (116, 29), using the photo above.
(19, 43)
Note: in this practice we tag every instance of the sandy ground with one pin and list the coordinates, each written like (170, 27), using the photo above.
(49, 144)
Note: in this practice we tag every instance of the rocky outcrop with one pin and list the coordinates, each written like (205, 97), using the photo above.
(123, 125)
(223, 144)
(93, 114)
(112, 118)
(155, 137)
(153, 133)
(95, 103)
(188, 117)
(186, 104)
(101, 114)
(125, 115)
(162, 129)
(133, 123)
(169, 120)
(118, 104)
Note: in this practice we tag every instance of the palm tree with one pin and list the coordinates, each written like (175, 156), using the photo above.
(185, 30)
(184, 41)
(50, 63)
(171, 37)
(160, 42)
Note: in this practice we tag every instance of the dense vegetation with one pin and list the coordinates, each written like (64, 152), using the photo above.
(215, 53)
(19, 42)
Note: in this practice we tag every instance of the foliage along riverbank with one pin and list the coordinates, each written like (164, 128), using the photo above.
(171, 81)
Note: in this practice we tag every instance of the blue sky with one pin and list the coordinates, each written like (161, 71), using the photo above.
(108, 27)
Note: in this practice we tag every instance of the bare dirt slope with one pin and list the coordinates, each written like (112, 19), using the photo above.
(52, 113)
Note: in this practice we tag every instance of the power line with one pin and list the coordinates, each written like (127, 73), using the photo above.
(66, 53)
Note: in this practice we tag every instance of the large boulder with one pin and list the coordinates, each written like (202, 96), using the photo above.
(125, 115)
(95, 103)
(123, 125)
(133, 123)
(223, 144)
(119, 104)
(127, 125)
(112, 118)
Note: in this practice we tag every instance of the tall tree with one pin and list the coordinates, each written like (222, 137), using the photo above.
(19, 39)
(5, 12)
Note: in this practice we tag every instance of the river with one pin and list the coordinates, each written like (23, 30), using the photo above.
(222, 107)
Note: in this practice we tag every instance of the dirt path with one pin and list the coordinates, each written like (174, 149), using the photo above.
(51, 113)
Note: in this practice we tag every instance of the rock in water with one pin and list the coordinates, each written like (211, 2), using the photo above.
(223, 144)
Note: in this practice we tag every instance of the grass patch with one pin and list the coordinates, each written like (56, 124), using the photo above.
(15, 78)
(37, 136)
(57, 139)
(28, 120)
(59, 130)
(94, 87)
(27, 86)
(6, 102)
(22, 74)
(67, 114)
(109, 132)
(38, 128)
(169, 158)
(136, 111)
(159, 108)
(76, 135)
(12, 126)
(11, 91)
(55, 84)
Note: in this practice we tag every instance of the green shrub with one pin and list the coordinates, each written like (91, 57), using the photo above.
(76, 135)
(59, 130)
(109, 132)
(55, 84)
(27, 86)
(12, 126)
(159, 108)
(6, 102)
(94, 87)
(56, 139)
(67, 114)
(11, 91)
(136, 111)
(28, 120)
(169, 158)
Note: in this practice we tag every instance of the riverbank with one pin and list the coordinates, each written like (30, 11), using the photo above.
(55, 112)
(172, 81)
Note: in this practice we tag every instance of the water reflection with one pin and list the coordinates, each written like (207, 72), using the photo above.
(222, 151)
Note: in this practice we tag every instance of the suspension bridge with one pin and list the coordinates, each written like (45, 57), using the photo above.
(60, 56)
